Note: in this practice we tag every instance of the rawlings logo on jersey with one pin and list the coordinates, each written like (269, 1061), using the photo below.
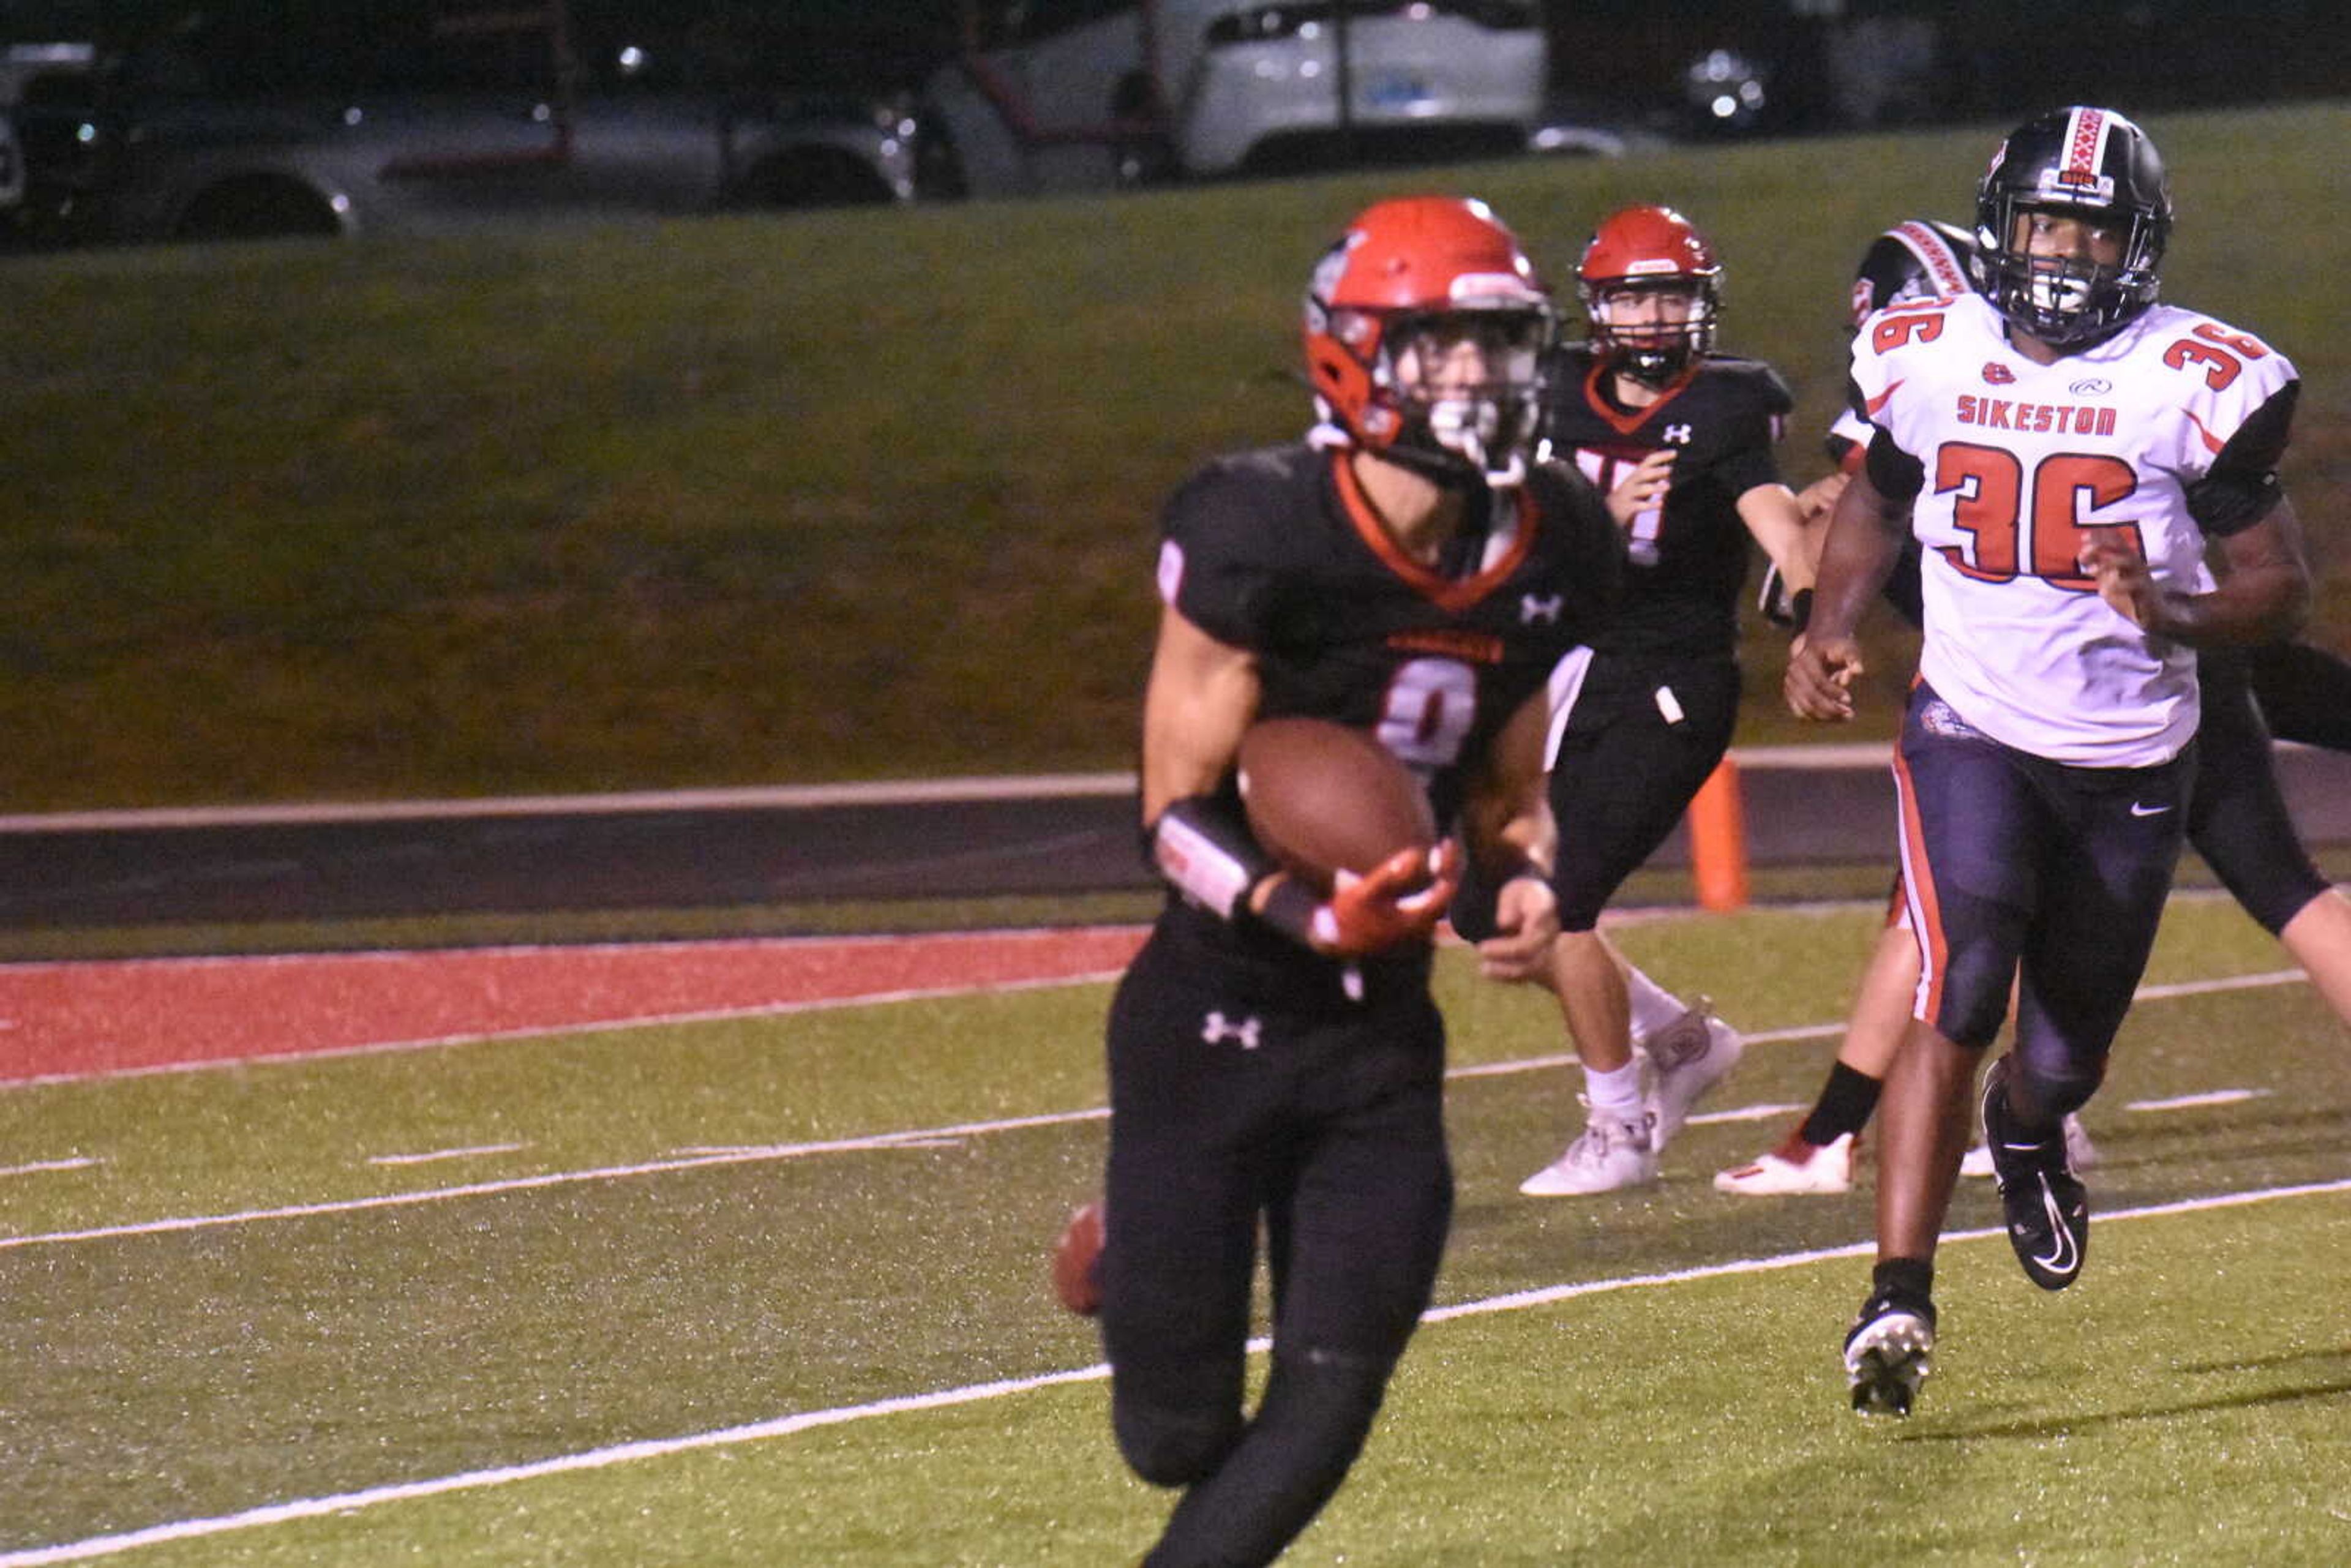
(1998, 375)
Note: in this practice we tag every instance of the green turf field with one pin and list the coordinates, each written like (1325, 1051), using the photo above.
(844, 1354)
(800, 499)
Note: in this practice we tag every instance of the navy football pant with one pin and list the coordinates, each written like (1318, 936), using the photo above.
(2056, 875)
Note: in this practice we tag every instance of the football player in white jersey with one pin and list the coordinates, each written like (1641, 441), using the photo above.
(2239, 823)
(2065, 450)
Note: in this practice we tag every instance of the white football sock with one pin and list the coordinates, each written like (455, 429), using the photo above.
(1618, 1093)
(1654, 1007)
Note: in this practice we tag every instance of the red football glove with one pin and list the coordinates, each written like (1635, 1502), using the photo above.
(1398, 901)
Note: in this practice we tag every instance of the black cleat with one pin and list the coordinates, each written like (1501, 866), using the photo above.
(2048, 1210)
(1888, 1352)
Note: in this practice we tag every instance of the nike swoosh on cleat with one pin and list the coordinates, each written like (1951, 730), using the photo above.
(2138, 810)
(2062, 1258)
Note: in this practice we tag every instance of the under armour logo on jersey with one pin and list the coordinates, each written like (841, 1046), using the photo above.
(1218, 1029)
(1679, 435)
(1542, 608)
(1998, 375)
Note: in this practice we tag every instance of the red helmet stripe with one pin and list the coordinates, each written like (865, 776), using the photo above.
(1936, 255)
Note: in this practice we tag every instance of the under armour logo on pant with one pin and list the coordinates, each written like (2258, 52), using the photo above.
(1218, 1028)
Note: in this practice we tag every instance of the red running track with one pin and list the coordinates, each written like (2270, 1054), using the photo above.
(80, 1020)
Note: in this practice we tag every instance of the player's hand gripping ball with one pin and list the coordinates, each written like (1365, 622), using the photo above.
(1323, 798)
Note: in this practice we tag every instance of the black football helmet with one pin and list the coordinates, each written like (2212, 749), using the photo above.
(2090, 163)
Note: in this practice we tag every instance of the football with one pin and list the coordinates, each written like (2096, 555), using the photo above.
(1323, 797)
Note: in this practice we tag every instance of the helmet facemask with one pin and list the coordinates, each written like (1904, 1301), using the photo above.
(1455, 394)
(1467, 385)
(1681, 311)
(2068, 302)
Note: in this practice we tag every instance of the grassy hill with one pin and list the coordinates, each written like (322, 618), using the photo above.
(792, 499)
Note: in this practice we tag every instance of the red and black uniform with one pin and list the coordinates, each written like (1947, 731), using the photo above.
(1652, 714)
(1253, 1079)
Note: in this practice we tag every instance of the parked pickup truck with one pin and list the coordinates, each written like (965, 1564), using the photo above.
(442, 114)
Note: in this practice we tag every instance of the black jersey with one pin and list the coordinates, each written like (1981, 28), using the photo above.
(1277, 552)
(1688, 557)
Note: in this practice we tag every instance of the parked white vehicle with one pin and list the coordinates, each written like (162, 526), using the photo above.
(1081, 94)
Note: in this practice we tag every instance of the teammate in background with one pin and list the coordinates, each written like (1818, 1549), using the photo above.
(2238, 821)
(1275, 1056)
(1680, 441)
(2064, 449)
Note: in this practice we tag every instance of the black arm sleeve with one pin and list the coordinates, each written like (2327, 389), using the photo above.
(2242, 483)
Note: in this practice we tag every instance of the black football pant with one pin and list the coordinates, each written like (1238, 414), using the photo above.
(2237, 820)
(1246, 1095)
(1642, 737)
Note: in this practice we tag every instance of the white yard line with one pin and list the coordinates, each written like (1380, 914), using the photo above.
(771, 1153)
(2197, 1101)
(434, 1156)
(45, 1168)
(919, 1137)
(287, 1513)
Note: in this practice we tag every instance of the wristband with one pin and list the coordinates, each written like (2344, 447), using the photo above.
(1291, 908)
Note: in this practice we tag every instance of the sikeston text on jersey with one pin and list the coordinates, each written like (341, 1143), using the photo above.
(2058, 418)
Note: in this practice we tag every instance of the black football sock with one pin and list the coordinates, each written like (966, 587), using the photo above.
(1846, 1103)
(1910, 1279)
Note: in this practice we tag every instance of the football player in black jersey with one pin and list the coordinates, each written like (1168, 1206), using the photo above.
(1679, 439)
(1275, 1056)
(2238, 819)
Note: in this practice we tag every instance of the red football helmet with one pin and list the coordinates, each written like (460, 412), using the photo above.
(1636, 264)
(1426, 332)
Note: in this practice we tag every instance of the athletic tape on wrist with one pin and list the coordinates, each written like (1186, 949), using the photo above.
(1204, 850)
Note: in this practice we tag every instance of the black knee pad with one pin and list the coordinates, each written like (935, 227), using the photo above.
(1173, 1447)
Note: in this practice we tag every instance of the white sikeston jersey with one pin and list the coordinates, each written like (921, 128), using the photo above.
(2020, 460)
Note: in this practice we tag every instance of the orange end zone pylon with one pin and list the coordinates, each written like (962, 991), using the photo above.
(1717, 837)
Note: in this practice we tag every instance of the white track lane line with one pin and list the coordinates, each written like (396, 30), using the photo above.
(916, 1137)
(553, 1032)
(288, 1512)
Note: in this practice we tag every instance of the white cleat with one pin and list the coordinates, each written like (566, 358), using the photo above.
(1795, 1167)
(2080, 1152)
(1609, 1155)
(1688, 1056)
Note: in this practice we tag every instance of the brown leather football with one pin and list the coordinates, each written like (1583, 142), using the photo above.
(1323, 797)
